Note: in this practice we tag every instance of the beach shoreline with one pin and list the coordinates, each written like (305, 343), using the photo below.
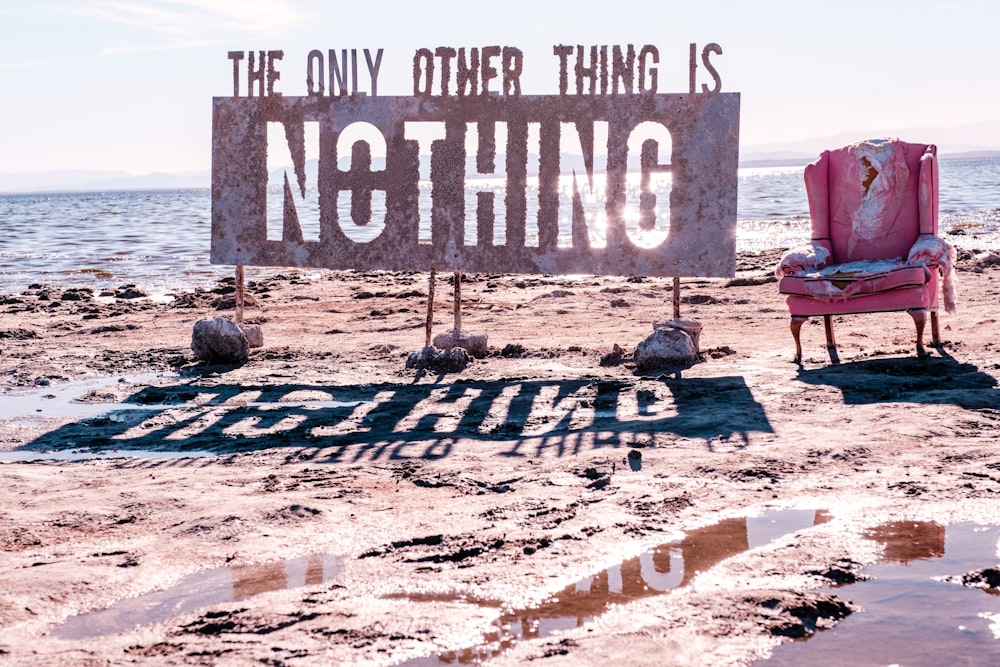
(447, 500)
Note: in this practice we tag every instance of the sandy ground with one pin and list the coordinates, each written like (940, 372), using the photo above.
(357, 512)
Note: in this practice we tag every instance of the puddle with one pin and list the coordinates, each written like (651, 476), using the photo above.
(22, 455)
(65, 401)
(915, 611)
(62, 401)
(203, 589)
(75, 400)
(661, 569)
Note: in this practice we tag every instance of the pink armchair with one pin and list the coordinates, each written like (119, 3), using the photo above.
(874, 248)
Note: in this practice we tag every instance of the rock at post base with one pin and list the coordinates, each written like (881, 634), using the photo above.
(474, 344)
(219, 340)
(691, 327)
(254, 334)
(451, 360)
(663, 349)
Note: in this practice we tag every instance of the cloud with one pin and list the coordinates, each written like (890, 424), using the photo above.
(29, 64)
(130, 47)
(178, 24)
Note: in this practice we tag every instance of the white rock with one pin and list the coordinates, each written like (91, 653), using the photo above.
(474, 344)
(690, 327)
(665, 348)
(254, 334)
(219, 340)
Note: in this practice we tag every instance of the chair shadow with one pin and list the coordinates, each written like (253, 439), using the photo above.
(937, 380)
(424, 421)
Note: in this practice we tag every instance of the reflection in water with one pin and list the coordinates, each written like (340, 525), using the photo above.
(654, 572)
(909, 540)
(223, 584)
(915, 611)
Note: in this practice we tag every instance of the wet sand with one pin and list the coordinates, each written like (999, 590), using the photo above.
(322, 504)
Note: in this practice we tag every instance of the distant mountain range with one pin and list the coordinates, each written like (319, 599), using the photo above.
(96, 181)
(973, 141)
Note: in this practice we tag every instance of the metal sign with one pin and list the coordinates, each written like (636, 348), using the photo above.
(469, 175)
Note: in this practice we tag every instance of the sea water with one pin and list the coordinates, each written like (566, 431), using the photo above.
(160, 239)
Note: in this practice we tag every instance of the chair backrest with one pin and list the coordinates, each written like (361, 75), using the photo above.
(873, 199)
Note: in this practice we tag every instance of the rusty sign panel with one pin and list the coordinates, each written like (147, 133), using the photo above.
(538, 216)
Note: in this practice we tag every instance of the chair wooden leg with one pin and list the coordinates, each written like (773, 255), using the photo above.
(828, 325)
(831, 344)
(797, 321)
(935, 332)
(919, 316)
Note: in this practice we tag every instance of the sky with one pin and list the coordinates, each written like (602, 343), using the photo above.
(128, 85)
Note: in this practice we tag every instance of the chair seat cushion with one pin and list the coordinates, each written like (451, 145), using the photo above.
(845, 281)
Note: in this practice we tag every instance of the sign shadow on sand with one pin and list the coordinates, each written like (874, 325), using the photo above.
(403, 422)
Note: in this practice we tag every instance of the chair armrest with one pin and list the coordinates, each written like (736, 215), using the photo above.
(813, 255)
(934, 251)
